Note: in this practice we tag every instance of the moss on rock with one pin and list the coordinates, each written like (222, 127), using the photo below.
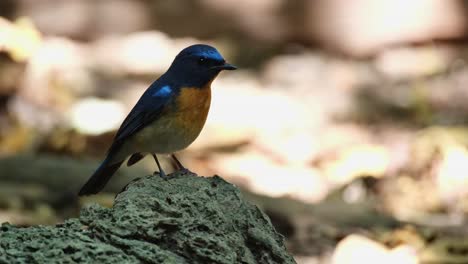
(183, 219)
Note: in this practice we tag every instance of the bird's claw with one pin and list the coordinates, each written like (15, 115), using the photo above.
(160, 174)
(184, 170)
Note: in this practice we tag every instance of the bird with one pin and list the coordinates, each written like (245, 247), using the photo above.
(167, 118)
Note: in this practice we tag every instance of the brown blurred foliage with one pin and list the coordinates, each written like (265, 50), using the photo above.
(352, 117)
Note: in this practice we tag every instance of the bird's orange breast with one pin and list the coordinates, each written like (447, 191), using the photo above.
(193, 105)
(177, 127)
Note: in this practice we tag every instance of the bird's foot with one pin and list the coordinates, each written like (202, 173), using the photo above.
(161, 174)
(184, 170)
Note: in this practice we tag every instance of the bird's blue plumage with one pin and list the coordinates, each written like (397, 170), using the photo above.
(147, 109)
(154, 124)
(164, 91)
(210, 54)
(201, 51)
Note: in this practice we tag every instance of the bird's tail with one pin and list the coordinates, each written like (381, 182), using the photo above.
(100, 177)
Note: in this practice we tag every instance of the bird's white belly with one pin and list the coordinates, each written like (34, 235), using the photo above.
(165, 136)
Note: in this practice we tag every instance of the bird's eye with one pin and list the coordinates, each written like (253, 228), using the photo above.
(202, 61)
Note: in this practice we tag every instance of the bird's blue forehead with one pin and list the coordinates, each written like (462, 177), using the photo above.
(201, 50)
(209, 54)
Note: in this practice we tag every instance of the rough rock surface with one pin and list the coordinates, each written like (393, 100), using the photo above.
(184, 219)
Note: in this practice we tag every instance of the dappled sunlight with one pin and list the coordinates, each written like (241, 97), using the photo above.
(347, 124)
(20, 38)
(138, 53)
(273, 179)
(356, 161)
(356, 249)
(96, 116)
(369, 25)
(452, 174)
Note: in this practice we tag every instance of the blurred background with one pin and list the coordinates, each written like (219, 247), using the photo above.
(347, 124)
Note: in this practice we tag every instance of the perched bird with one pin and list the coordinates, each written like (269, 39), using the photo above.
(168, 117)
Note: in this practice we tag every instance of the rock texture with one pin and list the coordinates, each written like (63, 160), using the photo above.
(184, 219)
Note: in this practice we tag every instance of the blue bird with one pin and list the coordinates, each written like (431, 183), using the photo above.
(168, 117)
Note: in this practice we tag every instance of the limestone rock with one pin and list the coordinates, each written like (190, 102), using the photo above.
(184, 219)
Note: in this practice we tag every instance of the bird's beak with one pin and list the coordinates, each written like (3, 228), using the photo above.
(226, 66)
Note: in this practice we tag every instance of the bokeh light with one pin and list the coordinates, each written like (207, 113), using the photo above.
(347, 122)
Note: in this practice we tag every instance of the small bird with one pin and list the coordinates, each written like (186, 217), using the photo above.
(168, 117)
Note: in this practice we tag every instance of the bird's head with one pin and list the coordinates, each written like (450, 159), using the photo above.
(198, 65)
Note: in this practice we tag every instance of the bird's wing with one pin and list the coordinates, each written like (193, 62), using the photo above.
(135, 120)
(147, 109)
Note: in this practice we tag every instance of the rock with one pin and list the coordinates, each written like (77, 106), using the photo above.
(185, 219)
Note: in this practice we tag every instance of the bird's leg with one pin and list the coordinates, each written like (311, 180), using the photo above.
(179, 165)
(161, 172)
